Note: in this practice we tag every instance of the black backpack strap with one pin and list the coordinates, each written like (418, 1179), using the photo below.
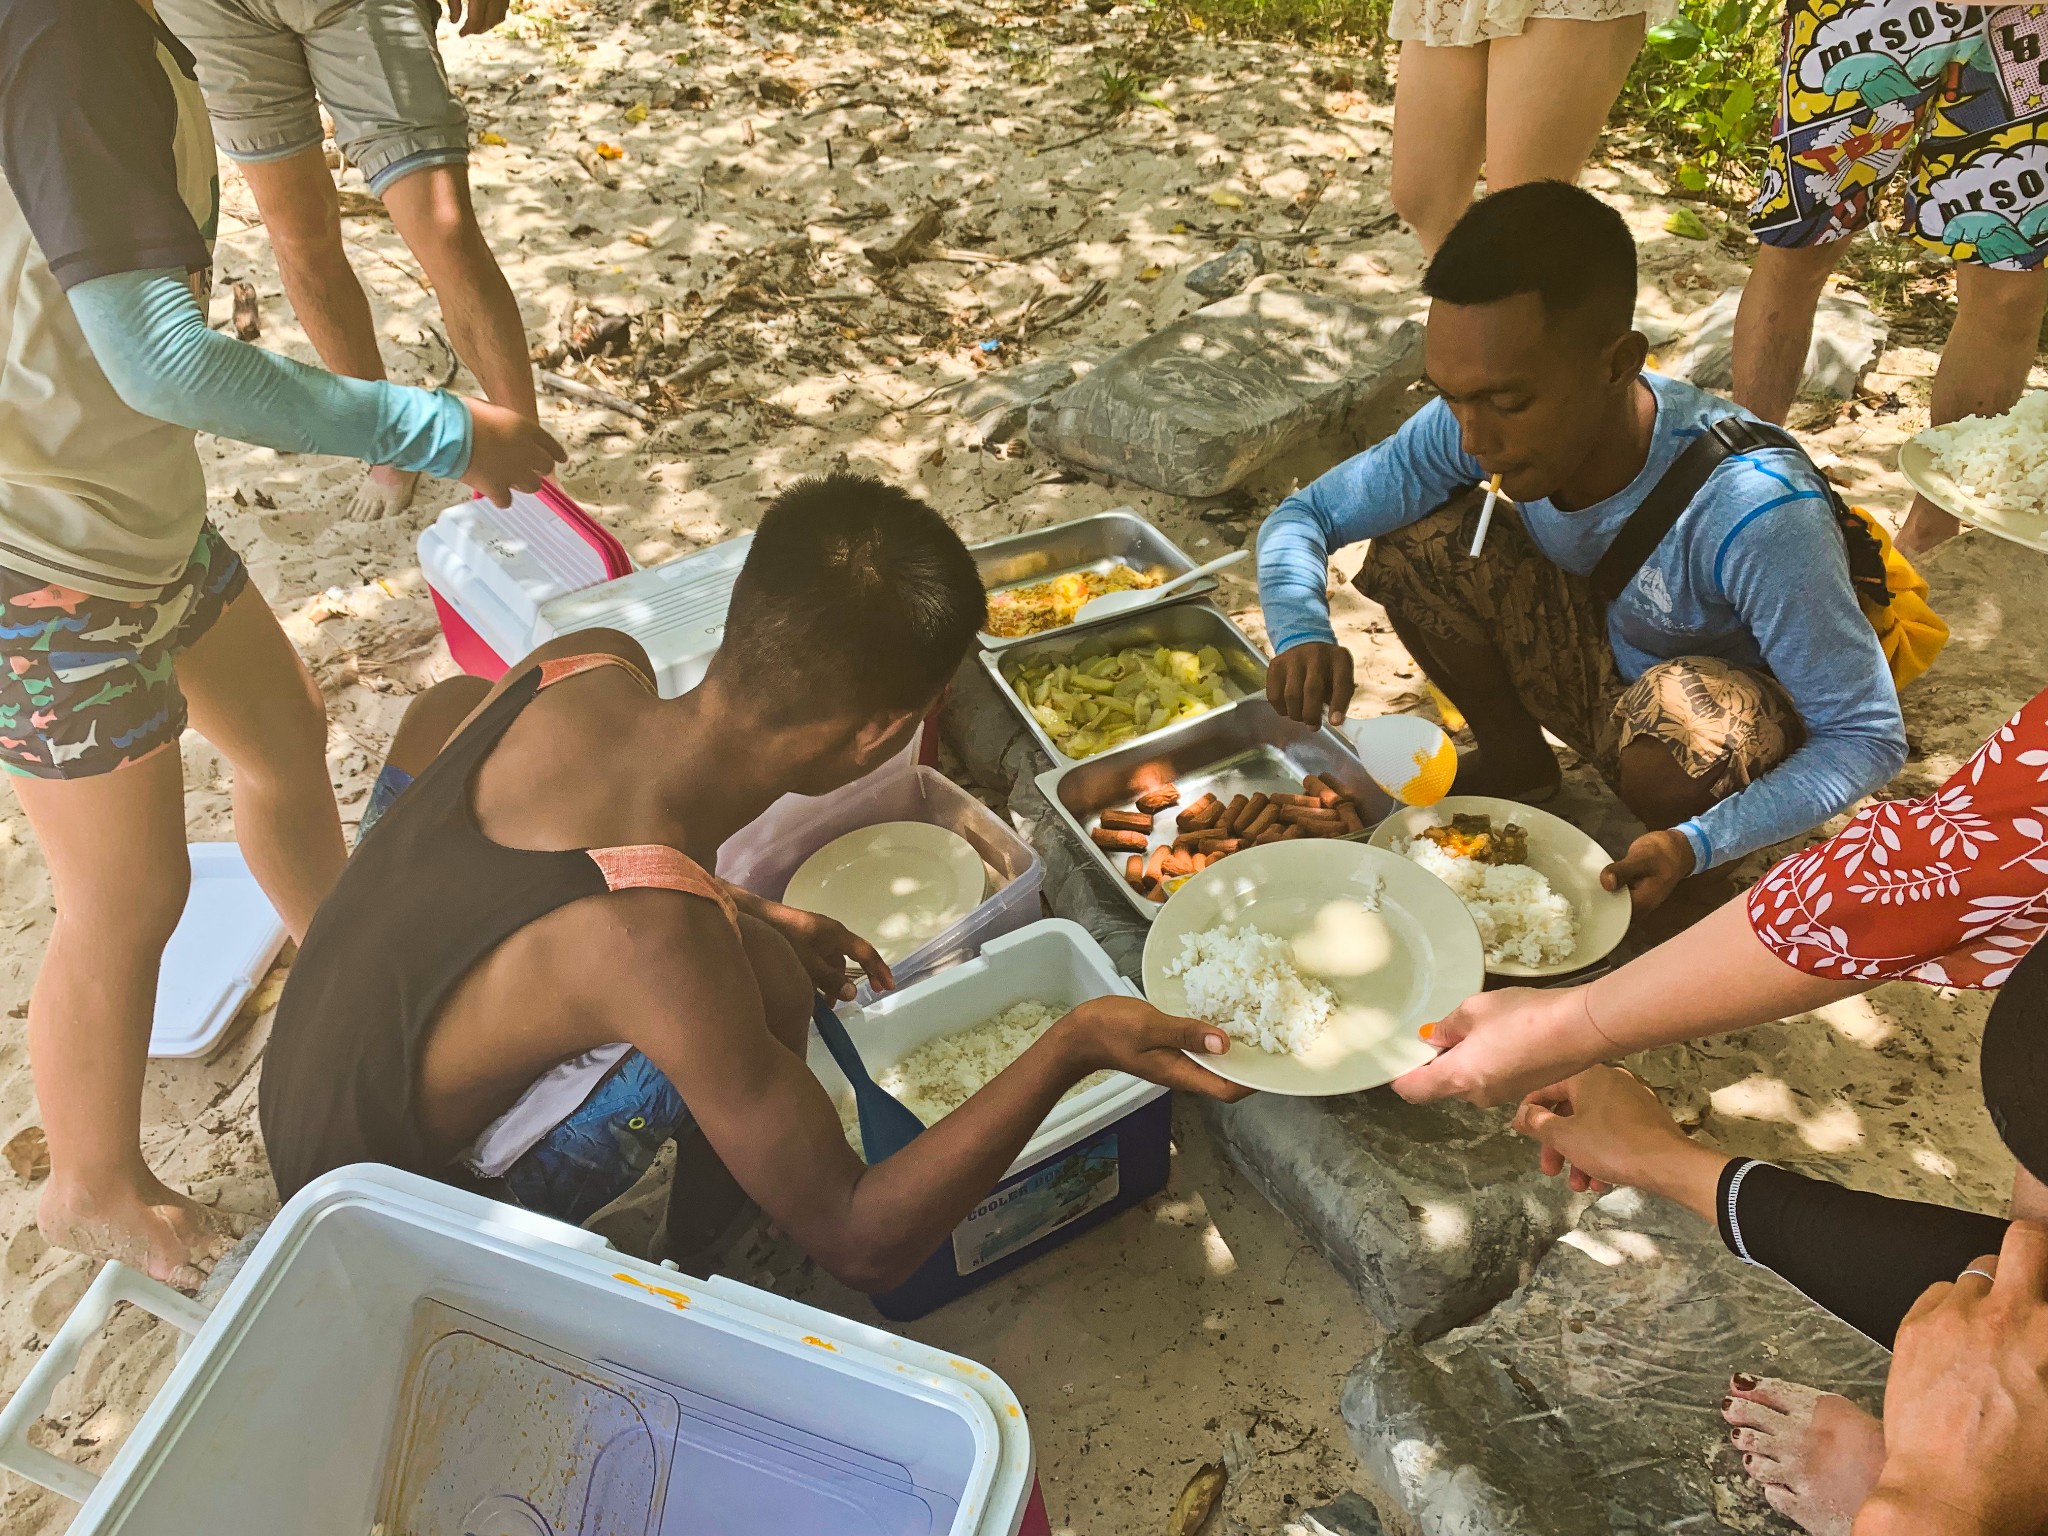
(1671, 495)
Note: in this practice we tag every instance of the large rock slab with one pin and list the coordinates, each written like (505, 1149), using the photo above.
(1433, 1212)
(1848, 338)
(1196, 407)
(1588, 1405)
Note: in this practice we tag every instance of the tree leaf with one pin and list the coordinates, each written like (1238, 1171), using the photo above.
(28, 1154)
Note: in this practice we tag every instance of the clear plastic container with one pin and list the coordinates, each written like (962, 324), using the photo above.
(764, 855)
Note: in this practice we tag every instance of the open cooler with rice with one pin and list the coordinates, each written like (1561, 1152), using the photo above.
(490, 570)
(406, 1359)
(1102, 1149)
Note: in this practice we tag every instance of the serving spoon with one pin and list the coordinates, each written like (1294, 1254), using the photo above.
(1115, 604)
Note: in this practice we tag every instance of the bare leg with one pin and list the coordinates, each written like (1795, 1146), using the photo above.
(1983, 369)
(1817, 1455)
(1656, 788)
(1513, 759)
(431, 721)
(115, 845)
(1548, 93)
(252, 697)
(1439, 136)
(1774, 325)
(436, 218)
(303, 215)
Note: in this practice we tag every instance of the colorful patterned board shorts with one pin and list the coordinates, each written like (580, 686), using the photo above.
(603, 1147)
(1956, 96)
(91, 683)
(1725, 724)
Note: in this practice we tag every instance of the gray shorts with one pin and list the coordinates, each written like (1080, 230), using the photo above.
(268, 66)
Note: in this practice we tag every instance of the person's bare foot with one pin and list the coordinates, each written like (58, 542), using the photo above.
(385, 491)
(168, 1236)
(1926, 527)
(1816, 1455)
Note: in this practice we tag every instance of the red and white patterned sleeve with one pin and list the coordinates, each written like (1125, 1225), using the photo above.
(1951, 890)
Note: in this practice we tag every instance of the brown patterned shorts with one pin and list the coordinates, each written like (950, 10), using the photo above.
(1724, 723)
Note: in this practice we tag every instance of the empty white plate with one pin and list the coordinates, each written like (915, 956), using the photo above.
(898, 884)
(1395, 969)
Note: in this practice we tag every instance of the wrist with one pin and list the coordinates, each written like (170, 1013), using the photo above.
(1072, 1043)
(1679, 849)
(1685, 1173)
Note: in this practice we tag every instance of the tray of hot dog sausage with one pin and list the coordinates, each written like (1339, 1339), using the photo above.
(1204, 790)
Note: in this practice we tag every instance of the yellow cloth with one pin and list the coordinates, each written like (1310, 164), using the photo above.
(1908, 628)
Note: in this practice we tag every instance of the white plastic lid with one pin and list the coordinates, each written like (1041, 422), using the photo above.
(676, 610)
(498, 565)
(223, 944)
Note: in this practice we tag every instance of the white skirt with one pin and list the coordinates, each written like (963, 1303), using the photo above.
(1461, 23)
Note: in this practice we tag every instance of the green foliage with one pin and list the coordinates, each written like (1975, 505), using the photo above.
(1706, 82)
(1321, 22)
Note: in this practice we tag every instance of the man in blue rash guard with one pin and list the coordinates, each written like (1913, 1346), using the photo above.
(123, 614)
(1733, 695)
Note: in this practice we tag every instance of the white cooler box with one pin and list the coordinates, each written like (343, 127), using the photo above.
(676, 610)
(405, 1358)
(490, 570)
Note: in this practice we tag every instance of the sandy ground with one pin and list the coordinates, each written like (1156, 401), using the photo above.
(759, 153)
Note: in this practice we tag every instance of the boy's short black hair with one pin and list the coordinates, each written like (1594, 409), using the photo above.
(1548, 238)
(854, 592)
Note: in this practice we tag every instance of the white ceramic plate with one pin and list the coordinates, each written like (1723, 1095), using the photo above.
(1917, 463)
(898, 884)
(1394, 970)
(1558, 851)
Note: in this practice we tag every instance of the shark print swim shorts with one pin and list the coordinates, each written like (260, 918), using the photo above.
(1953, 99)
(90, 683)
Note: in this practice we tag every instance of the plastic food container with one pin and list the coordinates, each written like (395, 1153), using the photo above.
(676, 610)
(1098, 1153)
(402, 1357)
(490, 570)
(1185, 626)
(764, 855)
(1243, 750)
(1086, 543)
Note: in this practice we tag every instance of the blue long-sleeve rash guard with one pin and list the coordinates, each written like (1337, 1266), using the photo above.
(1755, 573)
(151, 339)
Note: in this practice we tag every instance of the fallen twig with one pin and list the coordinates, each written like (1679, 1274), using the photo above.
(454, 362)
(1095, 291)
(695, 369)
(909, 246)
(603, 397)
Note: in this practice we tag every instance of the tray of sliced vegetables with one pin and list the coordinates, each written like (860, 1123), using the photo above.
(1094, 689)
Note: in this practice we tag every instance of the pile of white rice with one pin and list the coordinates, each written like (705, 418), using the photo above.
(1521, 919)
(946, 1071)
(1246, 983)
(2001, 459)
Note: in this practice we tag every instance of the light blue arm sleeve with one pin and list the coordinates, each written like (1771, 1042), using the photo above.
(151, 339)
(1389, 486)
(1788, 577)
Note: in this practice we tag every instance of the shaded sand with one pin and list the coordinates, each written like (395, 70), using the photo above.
(729, 231)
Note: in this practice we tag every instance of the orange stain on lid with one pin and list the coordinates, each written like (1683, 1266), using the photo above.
(817, 1343)
(678, 1299)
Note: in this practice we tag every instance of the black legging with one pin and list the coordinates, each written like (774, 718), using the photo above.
(1864, 1257)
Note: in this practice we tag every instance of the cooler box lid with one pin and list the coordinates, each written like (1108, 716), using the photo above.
(223, 944)
(676, 610)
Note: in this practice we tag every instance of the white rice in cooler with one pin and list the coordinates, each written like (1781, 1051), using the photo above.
(936, 1078)
(1245, 982)
(1521, 919)
(2003, 459)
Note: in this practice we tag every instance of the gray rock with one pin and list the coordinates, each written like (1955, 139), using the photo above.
(1347, 1515)
(999, 404)
(1589, 1404)
(980, 726)
(1195, 408)
(1848, 338)
(1433, 1212)
(1222, 275)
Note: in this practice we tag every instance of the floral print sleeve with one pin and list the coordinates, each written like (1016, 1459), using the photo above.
(1951, 890)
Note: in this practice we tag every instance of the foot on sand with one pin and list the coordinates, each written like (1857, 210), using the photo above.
(166, 1235)
(385, 491)
(1816, 1455)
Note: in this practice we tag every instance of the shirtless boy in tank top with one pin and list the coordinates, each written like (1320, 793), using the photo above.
(526, 981)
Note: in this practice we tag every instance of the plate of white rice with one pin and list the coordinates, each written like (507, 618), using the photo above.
(1990, 471)
(1321, 960)
(1547, 917)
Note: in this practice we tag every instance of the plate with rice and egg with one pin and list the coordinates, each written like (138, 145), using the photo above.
(1319, 959)
(1990, 471)
(1531, 880)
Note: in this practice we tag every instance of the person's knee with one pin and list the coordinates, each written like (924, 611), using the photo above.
(136, 913)
(1427, 205)
(1655, 786)
(431, 719)
(435, 212)
(2002, 298)
(293, 750)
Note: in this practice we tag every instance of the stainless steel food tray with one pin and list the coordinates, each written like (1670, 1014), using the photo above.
(1086, 543)
(1188, 626)
(1246, 749)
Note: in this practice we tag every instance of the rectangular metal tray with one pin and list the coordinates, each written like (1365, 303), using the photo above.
(1189, 626)
(1097, 542)
(1246, 749)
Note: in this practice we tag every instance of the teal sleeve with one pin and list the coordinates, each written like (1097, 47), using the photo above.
(152, 341)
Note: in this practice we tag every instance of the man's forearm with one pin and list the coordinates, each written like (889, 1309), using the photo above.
(1294, 576)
